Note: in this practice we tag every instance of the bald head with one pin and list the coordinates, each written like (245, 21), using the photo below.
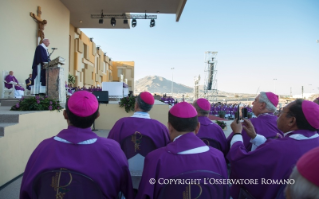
(46, 42)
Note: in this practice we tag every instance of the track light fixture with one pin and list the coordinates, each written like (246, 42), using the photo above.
(125, 18)
(152, 24)
(113, 21)
(134, 23)
(101, 20)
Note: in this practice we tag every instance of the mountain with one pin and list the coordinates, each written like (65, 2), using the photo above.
(156, 84)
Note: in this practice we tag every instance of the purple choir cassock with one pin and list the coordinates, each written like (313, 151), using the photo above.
(127, 126)
(10, 78)
(272, 160)
(166, 163)
(265, 124)
(40, 56)
(103, 161)
(209, 129)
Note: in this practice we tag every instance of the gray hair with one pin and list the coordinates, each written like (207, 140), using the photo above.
(269, 106)
(302, 188)
(199, 110)
(142, 105)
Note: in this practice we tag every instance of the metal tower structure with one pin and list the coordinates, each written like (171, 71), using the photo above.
(196, 85)
(210, 81)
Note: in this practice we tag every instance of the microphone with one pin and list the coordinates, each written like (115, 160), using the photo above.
(54, 48)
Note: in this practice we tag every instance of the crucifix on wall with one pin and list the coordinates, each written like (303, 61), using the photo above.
(41, 23)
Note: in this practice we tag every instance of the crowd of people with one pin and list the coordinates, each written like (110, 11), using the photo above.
(70, 89)
(268, 156)
(168, 100)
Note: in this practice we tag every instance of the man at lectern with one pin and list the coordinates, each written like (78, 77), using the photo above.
(41, 56)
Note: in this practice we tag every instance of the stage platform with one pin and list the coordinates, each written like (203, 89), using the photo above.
(20, 134)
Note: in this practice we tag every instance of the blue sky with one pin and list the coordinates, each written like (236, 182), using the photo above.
(257, 41)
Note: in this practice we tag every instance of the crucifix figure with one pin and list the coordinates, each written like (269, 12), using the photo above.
(40, 23)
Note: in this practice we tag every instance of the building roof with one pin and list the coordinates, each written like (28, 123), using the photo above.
(81, 10)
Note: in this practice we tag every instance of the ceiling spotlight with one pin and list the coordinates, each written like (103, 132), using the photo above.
(113, 21)
(134, 23)
(152, 24)
(100, 21)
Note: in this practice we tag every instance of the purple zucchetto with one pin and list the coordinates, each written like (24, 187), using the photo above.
(311, 112)
(83, 103)
(147, 97)
(273, 98)
(203, 104)
(183, 110)
(307, 166)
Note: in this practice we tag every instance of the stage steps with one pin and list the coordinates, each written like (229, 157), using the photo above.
(9, 102)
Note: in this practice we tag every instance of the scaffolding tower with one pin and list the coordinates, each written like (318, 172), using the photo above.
(210, 81)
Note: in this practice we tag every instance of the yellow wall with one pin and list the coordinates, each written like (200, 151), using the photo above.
(19, 34)
(21, 139)
(72, 47)
(112, 112)
(87, 70)
(85, 67)
(126, 66)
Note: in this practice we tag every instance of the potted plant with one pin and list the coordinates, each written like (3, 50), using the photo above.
(71, 79)
(128, 103)
(221, 114)
(222, 124)
(36, 103)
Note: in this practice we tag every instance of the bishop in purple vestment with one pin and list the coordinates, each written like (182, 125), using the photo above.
(209, 129)
(18, 89)
(141, 122)
(41, 55)
(265, 124)
(185, 153)
(273, 159)
(79, 149)
(306, 177)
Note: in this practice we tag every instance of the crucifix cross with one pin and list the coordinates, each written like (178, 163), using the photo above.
(40, 22)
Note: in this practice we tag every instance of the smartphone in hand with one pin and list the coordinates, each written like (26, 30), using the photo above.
(239, 114)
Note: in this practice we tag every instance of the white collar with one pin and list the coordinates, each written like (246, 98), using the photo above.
(177, 137)
(196, 150)
(90, 141)
(264, 114)
(287, 133)
(300, 136)
(44, 46)
(141, 115)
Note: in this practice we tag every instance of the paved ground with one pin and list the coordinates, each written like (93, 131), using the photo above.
(12, 190)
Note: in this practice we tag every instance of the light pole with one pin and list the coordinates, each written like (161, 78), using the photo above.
(275, 85)
(172, 80)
